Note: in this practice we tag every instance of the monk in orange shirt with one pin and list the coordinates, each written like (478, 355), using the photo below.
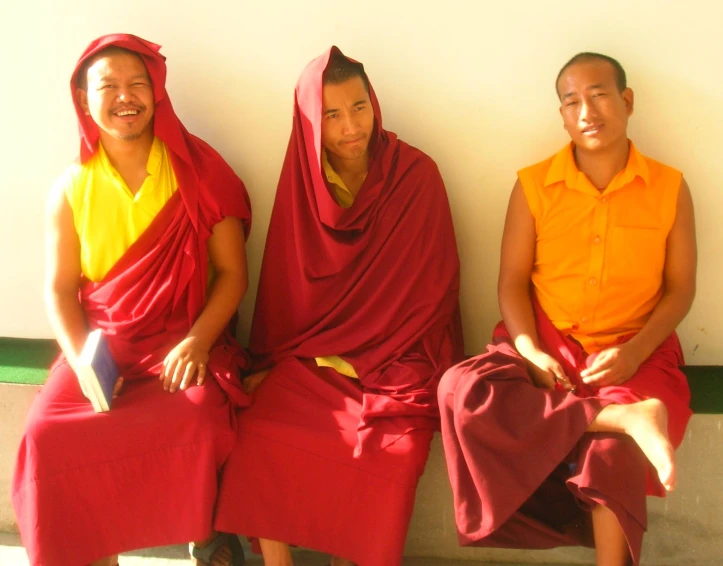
(557, 432)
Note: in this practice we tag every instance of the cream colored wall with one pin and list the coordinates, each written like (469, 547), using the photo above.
(470, 83)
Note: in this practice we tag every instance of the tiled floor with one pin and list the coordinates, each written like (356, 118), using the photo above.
(13, 554)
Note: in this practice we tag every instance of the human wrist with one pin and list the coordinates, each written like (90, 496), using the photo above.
(199, 341)
(527, 347)
(638, 350)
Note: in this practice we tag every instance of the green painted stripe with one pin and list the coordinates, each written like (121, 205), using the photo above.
(706, 389)
(27, 361)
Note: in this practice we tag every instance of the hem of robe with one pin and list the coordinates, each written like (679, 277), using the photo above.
(633, 517)
(576, 415)
(152, 492)
(294, 470)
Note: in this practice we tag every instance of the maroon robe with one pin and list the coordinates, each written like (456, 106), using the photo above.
(524, 471)
(325, 461)
(90, 485)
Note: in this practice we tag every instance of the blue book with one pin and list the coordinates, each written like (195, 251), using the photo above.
(97, 372)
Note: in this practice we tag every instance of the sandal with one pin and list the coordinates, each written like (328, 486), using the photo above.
(206, 553)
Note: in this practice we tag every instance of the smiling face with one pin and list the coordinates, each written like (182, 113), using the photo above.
(594, 110)
(118, 96)
(347, 119)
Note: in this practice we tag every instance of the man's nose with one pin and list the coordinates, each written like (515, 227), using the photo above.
(587, 111)
(350, 124)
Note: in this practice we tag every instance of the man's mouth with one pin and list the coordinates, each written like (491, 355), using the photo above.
(592, 130)
(127, 112)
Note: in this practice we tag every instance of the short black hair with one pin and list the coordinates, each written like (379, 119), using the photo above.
(340, 69)
(621, 79)
(81, 79)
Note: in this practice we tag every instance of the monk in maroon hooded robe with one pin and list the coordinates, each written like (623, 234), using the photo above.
(90, 485)
(356, 319)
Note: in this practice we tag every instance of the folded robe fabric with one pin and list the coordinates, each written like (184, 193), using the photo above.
(321, 460)
(524, 471)
(145, 474)
(376, 284)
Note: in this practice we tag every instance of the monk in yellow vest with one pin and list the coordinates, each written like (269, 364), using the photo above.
(557, 432)
(146, 243)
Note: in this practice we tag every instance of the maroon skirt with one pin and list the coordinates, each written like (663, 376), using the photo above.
(293, 477)
(524, 471)
(144, 474)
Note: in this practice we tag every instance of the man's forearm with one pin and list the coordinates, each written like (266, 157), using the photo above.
(223, 301)
(519, 317)
(666, 316)
(68, 322)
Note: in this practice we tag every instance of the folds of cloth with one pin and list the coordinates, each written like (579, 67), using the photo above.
(524, 471)
(292, 475)
(89, 485)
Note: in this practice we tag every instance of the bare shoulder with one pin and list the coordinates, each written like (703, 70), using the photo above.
(684, 217)
(681, 247)
(685, 188)
(518, 208)
(519, 230)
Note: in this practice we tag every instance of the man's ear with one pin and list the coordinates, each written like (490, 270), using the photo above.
(629, 98)
(82, 98)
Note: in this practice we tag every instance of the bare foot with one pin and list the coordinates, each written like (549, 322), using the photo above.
(646, 422)
(648, 426)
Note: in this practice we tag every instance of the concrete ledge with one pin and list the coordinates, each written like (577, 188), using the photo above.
(684, 528)
(11, 552)
(14, 404)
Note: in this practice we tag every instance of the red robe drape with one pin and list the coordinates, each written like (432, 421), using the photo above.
(90, 485)
(376, 284)
(524, 471)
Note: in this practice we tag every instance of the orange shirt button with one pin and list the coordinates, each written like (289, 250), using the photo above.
(593, 281)
(584, 319)
(604, 199)
(597, 240)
